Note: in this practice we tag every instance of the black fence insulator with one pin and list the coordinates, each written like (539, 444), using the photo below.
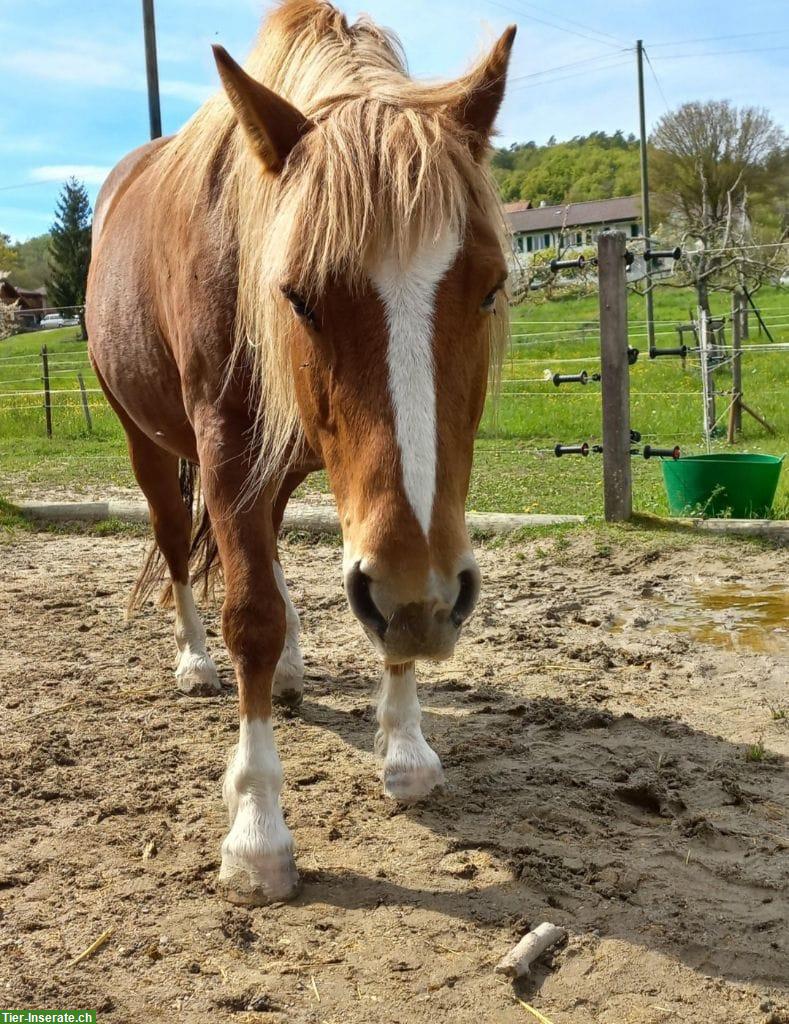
(656, 353)
(577, 264)
(574, 378)
(629, 259)
(663, 254)
(635, 451)
(632, 355)
(635, 437)
(597, 449)
(571, 449)
(661, 453)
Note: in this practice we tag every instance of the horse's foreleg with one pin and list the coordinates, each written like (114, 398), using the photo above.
(411, 767)
(258, 865)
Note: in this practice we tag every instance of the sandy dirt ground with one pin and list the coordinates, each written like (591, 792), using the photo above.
(612, 733)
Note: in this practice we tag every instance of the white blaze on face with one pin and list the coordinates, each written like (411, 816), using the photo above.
(409, 297)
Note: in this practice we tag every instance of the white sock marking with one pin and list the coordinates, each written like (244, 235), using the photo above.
(290, 668)
(195, 668)
(411, 766)
(258, 845)
(408, 294)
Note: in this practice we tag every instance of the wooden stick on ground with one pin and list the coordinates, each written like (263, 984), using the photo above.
(519, 959)
(94, 946)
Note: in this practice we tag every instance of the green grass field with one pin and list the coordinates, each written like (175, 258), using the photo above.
(515, 469)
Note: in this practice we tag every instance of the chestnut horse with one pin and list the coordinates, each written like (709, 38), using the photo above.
(309, 274)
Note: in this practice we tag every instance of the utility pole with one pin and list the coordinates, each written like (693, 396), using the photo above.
(151, 69)
(642, 120)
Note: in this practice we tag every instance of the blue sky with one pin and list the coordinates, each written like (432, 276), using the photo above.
(73, 76)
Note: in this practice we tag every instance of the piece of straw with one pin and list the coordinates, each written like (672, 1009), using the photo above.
(94, 946)
(535, 1013)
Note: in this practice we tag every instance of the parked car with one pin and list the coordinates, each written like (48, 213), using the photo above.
(58, 320)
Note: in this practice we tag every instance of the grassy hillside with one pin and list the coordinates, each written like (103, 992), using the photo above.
(596, 166)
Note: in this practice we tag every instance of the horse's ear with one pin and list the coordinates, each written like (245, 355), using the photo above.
(481, 93)
(272, 125)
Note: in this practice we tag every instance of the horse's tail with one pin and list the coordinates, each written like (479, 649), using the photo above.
(203, 551)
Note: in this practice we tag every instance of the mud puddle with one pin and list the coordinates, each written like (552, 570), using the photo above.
(735, 616)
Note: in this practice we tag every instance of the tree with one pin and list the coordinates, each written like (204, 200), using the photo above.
(714, 175)
(8, 253)
(594, 166)
(32, 270)
(70, 246)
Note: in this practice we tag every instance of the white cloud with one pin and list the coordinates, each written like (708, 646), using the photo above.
(66, 64)
(79, 65)
(191, 92)
(89, 174)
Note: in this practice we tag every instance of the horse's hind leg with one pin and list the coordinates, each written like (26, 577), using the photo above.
(288, 685)
(157, 474)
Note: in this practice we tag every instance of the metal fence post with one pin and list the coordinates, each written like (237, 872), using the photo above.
(85, 406)
(707, 384)
(615, 372)
(47, 395)
(735, 419)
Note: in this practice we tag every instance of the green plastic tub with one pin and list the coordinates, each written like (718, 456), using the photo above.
(722, 485)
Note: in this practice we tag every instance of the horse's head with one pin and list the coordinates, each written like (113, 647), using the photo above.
(391, 295)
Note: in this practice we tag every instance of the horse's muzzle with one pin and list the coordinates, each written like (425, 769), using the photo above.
(425, 629)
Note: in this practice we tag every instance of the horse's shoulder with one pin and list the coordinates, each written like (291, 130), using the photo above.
(120, 178)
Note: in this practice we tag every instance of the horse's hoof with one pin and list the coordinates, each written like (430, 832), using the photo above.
(408, 785)
(274, 879)
(288, 687)
(288, 698)
(196, 676)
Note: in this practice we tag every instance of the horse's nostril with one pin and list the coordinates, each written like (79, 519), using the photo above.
(467, 597)
(357, 587)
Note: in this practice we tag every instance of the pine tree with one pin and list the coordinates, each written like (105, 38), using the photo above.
(70, 246)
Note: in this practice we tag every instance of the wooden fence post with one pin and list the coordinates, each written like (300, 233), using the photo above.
(47, 396)
(615, 373)
(85, 406)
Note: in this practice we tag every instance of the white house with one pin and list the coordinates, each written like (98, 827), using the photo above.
(572, 225)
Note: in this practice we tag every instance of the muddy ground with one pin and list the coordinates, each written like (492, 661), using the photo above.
(614, 735)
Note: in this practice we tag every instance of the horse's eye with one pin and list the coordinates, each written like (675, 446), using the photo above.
(489, 302)
(300, 307)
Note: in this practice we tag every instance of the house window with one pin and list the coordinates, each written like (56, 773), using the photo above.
(588, 236)
(519, 243)
(633, 230)
(578, 238)
(546, 241)
(529, 244)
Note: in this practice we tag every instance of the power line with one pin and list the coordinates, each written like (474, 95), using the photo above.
(560, 28)
(564, 67)
(27, 184)
(712, 39)
(657, 81)
(719, 53)
(570, 21)
(573, 74)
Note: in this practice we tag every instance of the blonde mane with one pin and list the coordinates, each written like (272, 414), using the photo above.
(384, 166)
